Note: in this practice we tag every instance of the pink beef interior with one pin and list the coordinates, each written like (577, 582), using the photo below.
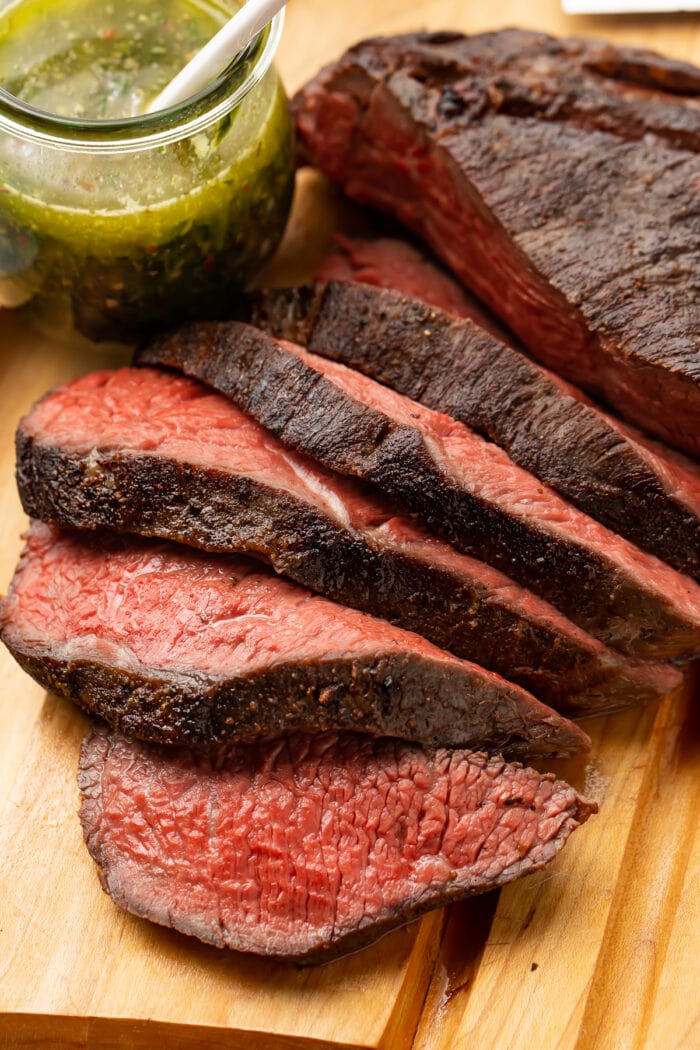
(164, 606)
(387, 262)
(394, 264)
(166, 415)
(486, 470)
(288, 846)
(146, 410)
(149, 411)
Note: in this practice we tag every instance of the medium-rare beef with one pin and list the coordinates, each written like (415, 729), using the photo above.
(311, 846)
(451, 477)
(585, 243)
(387, 262)
(147, 452)
(173, 645)
(645, 492)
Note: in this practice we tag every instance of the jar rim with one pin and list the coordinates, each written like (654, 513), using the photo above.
(152, 130)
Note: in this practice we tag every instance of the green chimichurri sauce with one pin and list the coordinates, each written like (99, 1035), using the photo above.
(132, 240)
(92, 60)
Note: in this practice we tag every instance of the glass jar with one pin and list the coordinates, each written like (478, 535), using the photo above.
(120, 227)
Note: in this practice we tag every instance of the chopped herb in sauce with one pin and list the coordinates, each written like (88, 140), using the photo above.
(133, 240)
(90, 60)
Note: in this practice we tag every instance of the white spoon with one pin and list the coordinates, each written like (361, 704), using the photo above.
(218, 54)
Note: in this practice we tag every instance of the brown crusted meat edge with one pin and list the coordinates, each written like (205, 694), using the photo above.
(310, 414)
(453, 366)
(387, 694)
(155, 496)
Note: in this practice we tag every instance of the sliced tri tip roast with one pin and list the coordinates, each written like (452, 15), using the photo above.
(366, 797)
(149, 452)
(395, 263)
(173, 645)
(594, 266)
(636, 487)
(365, 835)
(218, 653)
(454, 480)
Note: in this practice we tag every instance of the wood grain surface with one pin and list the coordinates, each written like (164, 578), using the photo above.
(601, 951)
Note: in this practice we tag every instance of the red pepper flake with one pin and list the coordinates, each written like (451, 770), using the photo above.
(209, 262)
(108, 34)
(151, 249)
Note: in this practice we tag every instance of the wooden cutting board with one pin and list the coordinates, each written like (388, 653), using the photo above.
(601, 951)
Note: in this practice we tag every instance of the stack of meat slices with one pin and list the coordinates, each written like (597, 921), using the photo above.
(308, 563)
(557, 179)
(317, 805)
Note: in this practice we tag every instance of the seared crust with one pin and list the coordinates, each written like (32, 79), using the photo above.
(592, 84)
(216, 511)
(595, 266)
(384, 696)
(312, 415)
(456, 367)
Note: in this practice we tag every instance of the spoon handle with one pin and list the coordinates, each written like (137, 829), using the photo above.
(215, 56)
